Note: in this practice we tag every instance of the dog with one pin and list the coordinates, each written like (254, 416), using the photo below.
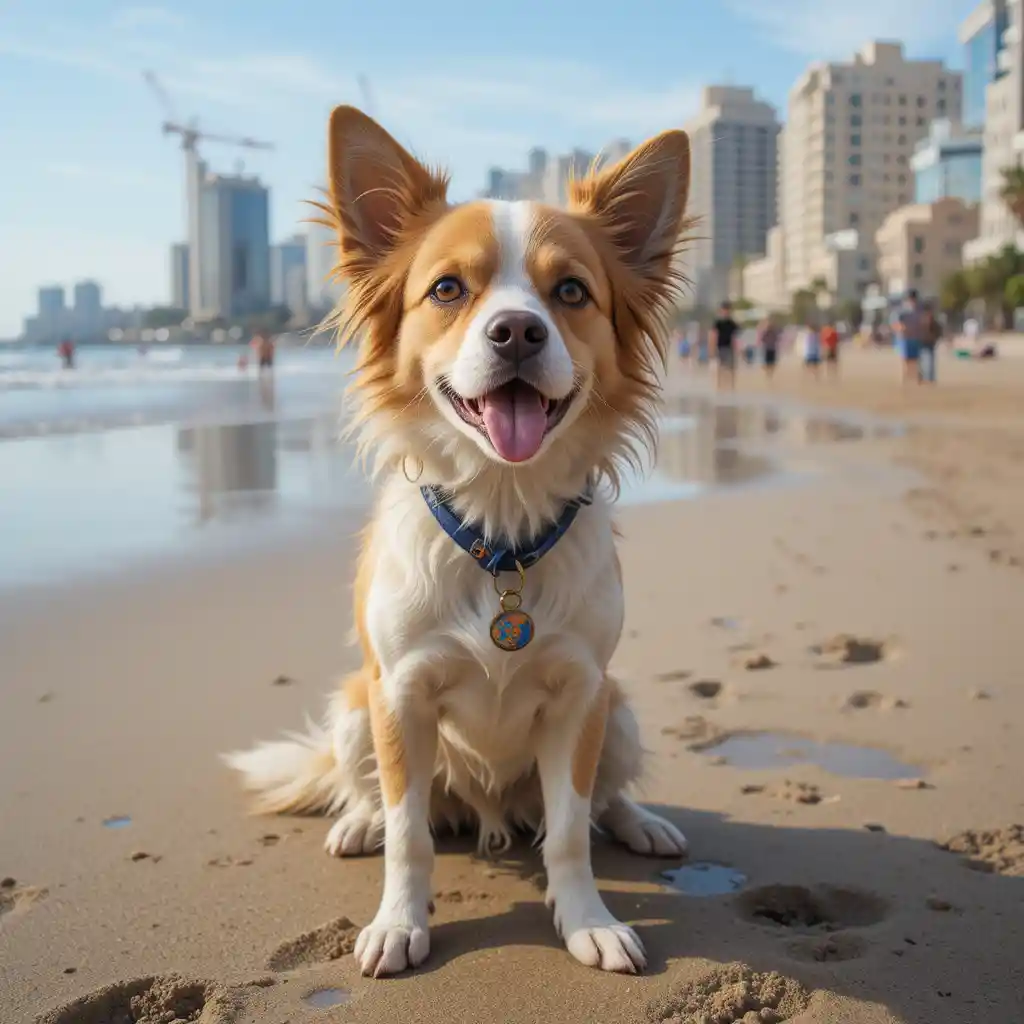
(508, 368)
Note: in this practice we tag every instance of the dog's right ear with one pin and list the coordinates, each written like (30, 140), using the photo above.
(377, 189)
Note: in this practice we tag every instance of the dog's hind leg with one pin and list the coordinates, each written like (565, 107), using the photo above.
(360, 826)
(641, 830)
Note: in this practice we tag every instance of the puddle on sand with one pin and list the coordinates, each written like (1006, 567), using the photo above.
(781, 750)
(705, 879)
(324, 997)
(117, 821)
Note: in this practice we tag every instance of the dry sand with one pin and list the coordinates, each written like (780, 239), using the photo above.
(837, 610)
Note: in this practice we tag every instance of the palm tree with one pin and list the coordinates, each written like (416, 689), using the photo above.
(1012, 191)
(955, 292)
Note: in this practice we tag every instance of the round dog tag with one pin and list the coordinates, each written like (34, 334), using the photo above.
(511, 630)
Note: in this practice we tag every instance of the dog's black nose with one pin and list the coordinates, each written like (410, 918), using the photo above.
(517, 334)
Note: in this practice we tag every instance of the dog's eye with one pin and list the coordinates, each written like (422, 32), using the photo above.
(447, 289)
(572, 292)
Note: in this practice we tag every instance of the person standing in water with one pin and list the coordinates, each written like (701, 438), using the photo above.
(264, 346)
(723, 345)
(66, 351)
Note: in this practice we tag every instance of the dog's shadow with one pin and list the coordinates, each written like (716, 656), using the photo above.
(837, 907)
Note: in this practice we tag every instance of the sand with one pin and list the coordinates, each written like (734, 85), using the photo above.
(862, 606)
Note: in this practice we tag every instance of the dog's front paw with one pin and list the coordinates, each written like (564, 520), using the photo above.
(613, 947)
(390, 946)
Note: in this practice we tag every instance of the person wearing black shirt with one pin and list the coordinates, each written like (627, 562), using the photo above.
(723, 342)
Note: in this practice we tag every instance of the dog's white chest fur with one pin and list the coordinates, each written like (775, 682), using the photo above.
(429, 614)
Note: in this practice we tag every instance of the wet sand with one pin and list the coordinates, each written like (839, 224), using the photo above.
(825, 607)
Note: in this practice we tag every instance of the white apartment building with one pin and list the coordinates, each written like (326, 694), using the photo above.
(991, 36)
(845, 159)
(733, 139)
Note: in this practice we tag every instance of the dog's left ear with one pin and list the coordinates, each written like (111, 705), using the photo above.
(641, 202)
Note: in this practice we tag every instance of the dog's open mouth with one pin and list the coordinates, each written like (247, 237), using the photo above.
(515, 417)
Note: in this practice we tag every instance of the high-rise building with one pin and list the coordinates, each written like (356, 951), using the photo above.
(733, 179)
(180, 295)
(51, 300)
(233, 250)
(1004, 122)
(845, 162)
(982, 37)
(948, 163)
(88, 309)
(287, 266)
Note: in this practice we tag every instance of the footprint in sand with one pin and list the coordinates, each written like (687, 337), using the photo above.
(732, 994)
(151, 1000)
(15, 898)
(330, 941)
(997, 851)
(824, 908)
(758, 662)
(706, 689)
(789, 790)
(861, 700)
(845, 649)
(695, 729)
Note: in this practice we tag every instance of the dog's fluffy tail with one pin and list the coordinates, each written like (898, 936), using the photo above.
(295, 775)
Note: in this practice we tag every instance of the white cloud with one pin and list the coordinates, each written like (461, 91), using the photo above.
(831, 29)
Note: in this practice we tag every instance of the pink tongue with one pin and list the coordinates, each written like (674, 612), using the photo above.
(515, 421)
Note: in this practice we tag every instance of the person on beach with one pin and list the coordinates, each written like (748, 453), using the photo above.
(909, 329)
(830, 348)
(723, 345)
(768, 337)
(66, 351)
(931, 335)
(264, 346)
(810, 344)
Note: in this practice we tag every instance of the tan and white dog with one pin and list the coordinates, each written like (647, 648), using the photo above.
(508, 367)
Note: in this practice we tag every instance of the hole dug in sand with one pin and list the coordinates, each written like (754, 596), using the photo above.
(733, 994)
(329, 942)
(161, 1000)
(823, 908)
(845, 649)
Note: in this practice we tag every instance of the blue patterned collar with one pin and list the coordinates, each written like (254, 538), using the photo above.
(501, 557)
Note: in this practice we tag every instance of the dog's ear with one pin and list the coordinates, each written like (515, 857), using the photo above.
(376, 188)
(641, 202)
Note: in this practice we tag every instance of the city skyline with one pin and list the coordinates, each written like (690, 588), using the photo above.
(102, 197)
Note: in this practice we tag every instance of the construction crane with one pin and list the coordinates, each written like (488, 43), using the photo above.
(190, 133)
(190, 136)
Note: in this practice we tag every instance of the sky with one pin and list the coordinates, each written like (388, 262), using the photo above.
(90, 188)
